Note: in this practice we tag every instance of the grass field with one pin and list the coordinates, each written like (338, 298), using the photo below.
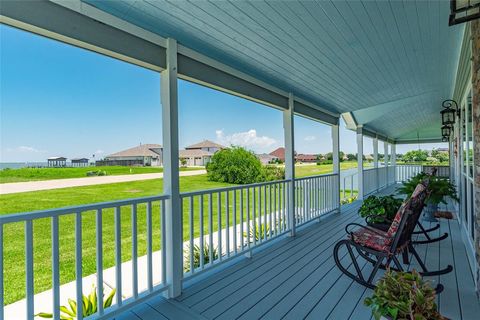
(306, 170)
(14, 247)
(37, 174)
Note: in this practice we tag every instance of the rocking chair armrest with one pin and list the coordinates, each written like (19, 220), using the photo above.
(350, 232)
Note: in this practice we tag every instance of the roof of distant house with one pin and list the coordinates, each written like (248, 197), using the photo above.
(79, 159)
(143, 150)
(57, 158)
(194, 153)
(306, 157)
(279, 153)
(205, 144)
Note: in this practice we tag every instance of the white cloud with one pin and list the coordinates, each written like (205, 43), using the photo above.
(25, 149)
(99, 151)
(248, 139)
(309, 138)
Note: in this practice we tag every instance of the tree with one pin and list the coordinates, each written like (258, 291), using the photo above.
(240, 166)
(351, 157)
(183, 162)
(415, 156)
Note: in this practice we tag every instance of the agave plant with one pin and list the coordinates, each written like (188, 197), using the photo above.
(89, 306)
(197, 257)
(259, 232)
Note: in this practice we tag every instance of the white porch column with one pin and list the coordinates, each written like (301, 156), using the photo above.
(360, 161)
(336, 161)
(385, 160)
(173, 219)
(394, 162)
(288, 131)
(375, 161)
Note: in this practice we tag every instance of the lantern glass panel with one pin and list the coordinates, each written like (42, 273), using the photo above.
(448, 116)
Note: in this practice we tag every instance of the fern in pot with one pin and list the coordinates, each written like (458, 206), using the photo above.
(439, 188)
(403, 296)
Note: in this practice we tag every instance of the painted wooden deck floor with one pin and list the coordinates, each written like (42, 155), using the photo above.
(296, 278)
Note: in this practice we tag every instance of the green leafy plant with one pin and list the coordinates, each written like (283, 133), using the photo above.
(197, 256)
(384, 207)
(438, 187)
(257, 234)
(403, 296)
(89, 307)
(348, 200)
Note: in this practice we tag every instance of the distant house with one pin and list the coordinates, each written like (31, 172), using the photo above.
(369, 157)
(57, 162)
(266, 158)
(279, 153)
(199, 154)
(306, 158)
(80, 162)
(142, 155)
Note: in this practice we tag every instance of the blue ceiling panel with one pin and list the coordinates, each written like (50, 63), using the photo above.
(391, 63)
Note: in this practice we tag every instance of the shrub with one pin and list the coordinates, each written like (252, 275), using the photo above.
(348, 200)
(90, 303)
(258, 234)
(271, 173)
(96, 173)
(196, 256)
(240, 166)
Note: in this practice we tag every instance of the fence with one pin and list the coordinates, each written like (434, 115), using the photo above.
(97, 221)
(218, 224)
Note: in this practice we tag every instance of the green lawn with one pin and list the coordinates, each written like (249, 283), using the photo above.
(14, 247)
(306, 170)
(37, 174)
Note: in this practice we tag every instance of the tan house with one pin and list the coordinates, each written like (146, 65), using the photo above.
(199, 154)
(142, 155)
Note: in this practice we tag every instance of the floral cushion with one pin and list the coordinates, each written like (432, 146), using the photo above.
(398, 217)
(367, 238)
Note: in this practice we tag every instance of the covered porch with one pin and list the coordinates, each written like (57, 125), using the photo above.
(265, 249)
(296, 278)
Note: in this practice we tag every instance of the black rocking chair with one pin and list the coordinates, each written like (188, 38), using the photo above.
(381, 248)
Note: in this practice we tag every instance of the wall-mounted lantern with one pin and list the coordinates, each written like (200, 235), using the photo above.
(463, 10)
(446, 130)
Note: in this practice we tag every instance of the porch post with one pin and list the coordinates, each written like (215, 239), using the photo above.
(173, 219)
(336, 162)
(394, 161)
(360, 161)
(385, 160)
(288, 131)
(375, 160)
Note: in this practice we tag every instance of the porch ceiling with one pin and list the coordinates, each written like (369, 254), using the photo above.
(391, 63)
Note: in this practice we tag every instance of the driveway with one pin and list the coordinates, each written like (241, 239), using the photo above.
(16, 187)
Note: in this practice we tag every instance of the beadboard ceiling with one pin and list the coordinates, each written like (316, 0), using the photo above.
(390, 63)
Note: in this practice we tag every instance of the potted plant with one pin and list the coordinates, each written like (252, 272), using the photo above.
(403, 296)
(438, 188)
(380, 210)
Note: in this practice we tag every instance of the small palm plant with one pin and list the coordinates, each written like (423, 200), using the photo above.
(89, 307)
(197, 257)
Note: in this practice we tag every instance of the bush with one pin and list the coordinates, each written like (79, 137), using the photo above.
(324, 162)
(240, 166)
(96, 173)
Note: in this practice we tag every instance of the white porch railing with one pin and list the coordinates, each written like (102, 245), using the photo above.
(370, 182)
(222, 223)
(405, 172)
(94, 214)
(249, 215)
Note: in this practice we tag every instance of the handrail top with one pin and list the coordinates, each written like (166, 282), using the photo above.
(231, 188)
(317, 176)
(24, 216)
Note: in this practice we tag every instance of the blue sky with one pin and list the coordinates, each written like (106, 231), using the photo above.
(57, 99)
